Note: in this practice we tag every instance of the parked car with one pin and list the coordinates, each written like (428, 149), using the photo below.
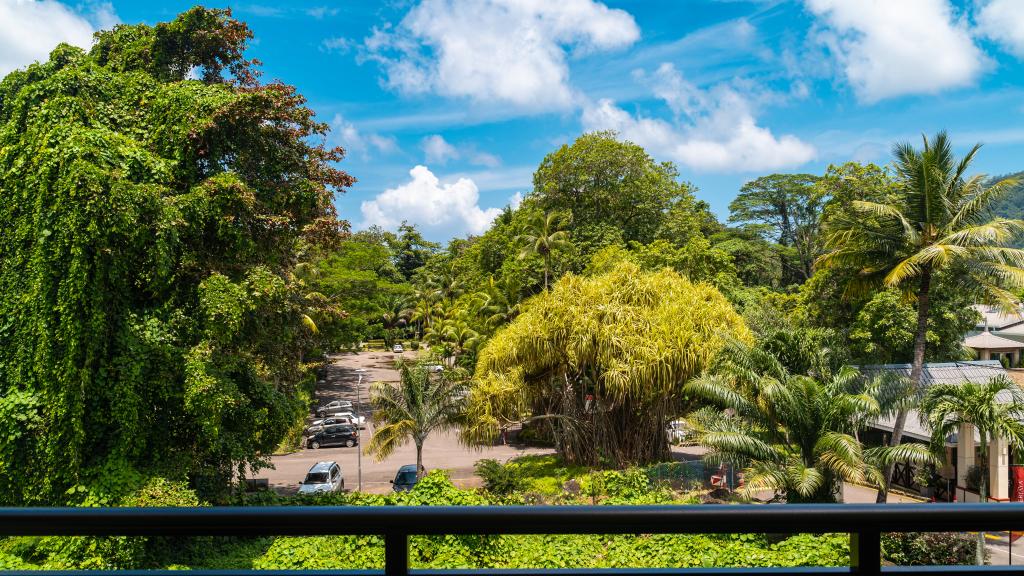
(397, 349)
(323, 477)
(335, 406)
(335, 435)
(678, 432)
(405, 479)
(345, 418)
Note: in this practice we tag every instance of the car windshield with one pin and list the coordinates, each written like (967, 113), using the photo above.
(316, 478)
(406, 478)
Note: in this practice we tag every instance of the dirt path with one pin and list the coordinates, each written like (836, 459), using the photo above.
(442, 450)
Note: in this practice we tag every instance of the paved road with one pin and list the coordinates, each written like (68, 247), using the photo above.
(441, 450)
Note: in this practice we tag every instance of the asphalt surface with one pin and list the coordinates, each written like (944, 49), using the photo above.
(441, 450)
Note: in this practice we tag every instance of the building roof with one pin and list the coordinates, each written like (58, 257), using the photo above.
(989, 341)
(996, 319)
(979, 372)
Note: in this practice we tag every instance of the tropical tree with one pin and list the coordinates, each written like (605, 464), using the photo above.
(995, 409)
(786, 208)
(937, 220)
(543, 234)
(152, 224)
(393, 317)
(795, 434)
(601, 361)
(422, 403)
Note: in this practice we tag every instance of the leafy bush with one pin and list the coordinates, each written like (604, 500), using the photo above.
(502, 552)
(929, 548)
(500, 478)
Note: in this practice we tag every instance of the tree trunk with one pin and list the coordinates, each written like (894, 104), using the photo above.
(920, 340)
(419, 459)
(546, 266)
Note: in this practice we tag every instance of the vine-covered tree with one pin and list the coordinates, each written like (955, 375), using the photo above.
(603, 360)
(150, 318)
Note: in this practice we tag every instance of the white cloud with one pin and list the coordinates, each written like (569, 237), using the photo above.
(452, 208)
(509, 51)
(1003, 22)
(713, 130)
(890, 48)
(30, 30)
(438, 150)
(353, 140)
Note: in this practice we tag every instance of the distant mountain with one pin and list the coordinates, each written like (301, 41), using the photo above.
(1012, 204)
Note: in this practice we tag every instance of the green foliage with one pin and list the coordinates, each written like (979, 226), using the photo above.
(422, 403)
(929, 548)
(624, 341)
(600, 180)
(792, 419)
(152, 225)
(786, 208)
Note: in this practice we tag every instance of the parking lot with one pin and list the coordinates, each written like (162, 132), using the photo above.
(442, 450)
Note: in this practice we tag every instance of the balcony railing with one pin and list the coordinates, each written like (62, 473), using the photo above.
(863, 522)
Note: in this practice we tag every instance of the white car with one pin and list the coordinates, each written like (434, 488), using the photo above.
(323, 477)
(344, 418)
(434, 368)
(397, 349)
(678, 432)
(334, 406)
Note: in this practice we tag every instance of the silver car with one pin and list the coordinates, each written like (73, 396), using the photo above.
(323, 477)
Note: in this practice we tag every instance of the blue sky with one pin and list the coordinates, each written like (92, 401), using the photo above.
(447, 106)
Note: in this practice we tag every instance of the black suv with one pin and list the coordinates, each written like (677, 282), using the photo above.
(339, 435)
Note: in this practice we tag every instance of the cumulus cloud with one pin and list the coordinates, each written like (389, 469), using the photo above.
(30, 29)
(437, 150)
(889, 48)
(345, 134)
(1003, 22)
(508, 51)
(434, 206)
(713, 130)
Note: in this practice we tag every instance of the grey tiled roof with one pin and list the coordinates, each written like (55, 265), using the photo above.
(979, 372)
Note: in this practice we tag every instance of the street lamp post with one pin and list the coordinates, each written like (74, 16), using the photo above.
(359, 430)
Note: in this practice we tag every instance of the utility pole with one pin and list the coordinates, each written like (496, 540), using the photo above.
(359, 430)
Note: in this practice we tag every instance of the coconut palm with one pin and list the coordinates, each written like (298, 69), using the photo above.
(542, 234)
(422, 403)
(393, 317)
(994, 409)
(794, 434)
(499, 301)
(938, 220)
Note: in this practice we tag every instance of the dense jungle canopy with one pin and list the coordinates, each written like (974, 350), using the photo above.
(156, 199)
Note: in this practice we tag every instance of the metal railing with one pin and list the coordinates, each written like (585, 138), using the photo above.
(863, 522)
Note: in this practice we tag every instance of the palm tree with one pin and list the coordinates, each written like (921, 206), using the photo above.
(936, 221)
(499, 302)
(393, 317)
(462, 337)
(994, 409)
(795, 434)
(422, 403)
(543, 234)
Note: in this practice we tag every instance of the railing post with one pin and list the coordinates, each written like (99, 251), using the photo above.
(866, 552)
(396, 554)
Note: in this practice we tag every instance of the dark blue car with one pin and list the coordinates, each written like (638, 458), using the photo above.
(405, 479)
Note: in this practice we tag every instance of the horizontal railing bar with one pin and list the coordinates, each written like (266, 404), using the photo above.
(474, 520)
